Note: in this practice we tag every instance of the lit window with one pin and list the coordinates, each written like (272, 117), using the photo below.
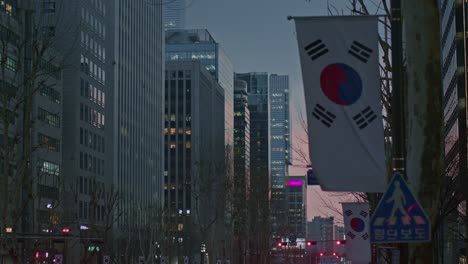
(172, 145)
(188, 144)
(172, 130)
(165, 130)
(188, 131)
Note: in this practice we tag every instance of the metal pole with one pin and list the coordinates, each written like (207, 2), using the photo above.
(398, 104)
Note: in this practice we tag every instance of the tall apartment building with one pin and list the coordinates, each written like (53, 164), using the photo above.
(279, 149)
(259, 222)
(454, 77)
(175, 14)
(194, 148)
(296, 198)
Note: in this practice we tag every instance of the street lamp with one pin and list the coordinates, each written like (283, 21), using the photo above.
(9, 229)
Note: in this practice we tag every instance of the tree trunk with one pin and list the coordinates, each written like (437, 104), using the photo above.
(425, 168)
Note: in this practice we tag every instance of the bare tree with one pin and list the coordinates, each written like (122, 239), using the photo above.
(28, 64)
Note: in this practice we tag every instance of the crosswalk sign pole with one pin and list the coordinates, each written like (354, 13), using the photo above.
(398, 105)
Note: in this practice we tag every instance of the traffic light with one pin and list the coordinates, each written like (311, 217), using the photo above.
(279, 244)
(340, 242)
(310, 243)
(321, 254)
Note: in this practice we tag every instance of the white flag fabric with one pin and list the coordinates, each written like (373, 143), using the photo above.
(340, 71)
(356, 226)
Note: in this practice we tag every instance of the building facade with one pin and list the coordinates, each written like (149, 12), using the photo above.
(279, 150)
(86, 41)
(194, 147)
(241, 177)
(175, 14)
(296, 198)
(259, 205)
(454, 77)
(31, 96)
(321, 229)
(198, 44)
(139, 106)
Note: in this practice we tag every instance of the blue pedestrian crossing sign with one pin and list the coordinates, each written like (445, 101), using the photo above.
(399, 217)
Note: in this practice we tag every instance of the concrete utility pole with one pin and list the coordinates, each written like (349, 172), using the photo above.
(425, 167)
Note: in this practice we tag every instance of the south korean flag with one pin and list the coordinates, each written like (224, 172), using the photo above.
(356, 226)
(340, 71)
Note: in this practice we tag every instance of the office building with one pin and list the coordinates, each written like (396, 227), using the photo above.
(339, 233)
(194, 152)
(35, 128)
(198, 44)
(296, 197)
(259, 206)
(241, 177)
(454, 66)
(321, 229)
(139, 106)
(31, 100)
(86, 41)
(175, 14)
(113, 110)
(279, 149)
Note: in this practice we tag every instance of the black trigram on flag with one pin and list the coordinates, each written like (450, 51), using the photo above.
(365, 236)
(316, 49)
(351, 235)
(360, 51)
(323, 115)
(363, 214)
(348, 212)
(364, 118)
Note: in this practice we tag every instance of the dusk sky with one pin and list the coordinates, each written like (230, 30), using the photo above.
(257, 37)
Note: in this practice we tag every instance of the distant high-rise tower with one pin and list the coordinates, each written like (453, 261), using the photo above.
(257, 88)
(241, 166)
(174, 14)
(296, 193)
(279, 148)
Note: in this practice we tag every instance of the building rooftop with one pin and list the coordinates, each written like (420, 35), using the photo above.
(188, 36)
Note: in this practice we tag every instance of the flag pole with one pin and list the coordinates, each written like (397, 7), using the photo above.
(398, 105)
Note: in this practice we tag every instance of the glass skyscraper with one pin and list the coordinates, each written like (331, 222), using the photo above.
(279, 148)
(174, 14)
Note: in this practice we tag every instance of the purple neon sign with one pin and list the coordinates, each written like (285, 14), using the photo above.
(294, 183)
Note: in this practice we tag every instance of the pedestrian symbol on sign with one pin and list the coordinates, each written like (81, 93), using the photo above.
(399, 217)
(399, 201)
